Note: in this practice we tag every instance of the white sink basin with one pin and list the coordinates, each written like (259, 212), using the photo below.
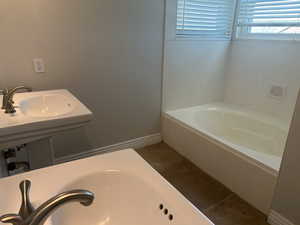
(127, 192)
(40, 115)
(120, 199)
(47, 105)
(3, 122)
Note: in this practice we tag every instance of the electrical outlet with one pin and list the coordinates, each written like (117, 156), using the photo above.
(39, 65)
(277, 91)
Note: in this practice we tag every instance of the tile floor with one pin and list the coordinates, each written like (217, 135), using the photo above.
(216, 201)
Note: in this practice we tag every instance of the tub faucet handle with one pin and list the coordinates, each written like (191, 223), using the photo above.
(26, 207)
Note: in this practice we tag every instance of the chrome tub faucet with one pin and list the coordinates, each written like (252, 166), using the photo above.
(30, 216)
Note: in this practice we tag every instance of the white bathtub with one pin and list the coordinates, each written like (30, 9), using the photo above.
(251, 144)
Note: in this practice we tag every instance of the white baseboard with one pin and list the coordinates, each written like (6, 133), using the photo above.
(276, 219)
(134, 143)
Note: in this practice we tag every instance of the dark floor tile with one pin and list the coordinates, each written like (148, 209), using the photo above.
(160, 156)
(193, 183)
(198, 187)
(235, 211)
(208, 195)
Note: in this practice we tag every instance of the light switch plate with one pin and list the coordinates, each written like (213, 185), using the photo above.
(39, 65)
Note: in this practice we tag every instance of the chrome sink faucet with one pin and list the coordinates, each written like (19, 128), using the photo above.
(4, 92)
(30, 216)
(8, 103)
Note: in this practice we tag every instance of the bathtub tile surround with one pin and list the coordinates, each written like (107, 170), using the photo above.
(212, 198)
(238, 72)
(195, 76)
(253, 66)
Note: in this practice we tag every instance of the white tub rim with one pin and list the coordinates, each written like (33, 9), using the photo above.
(239, 110)
(227, 147)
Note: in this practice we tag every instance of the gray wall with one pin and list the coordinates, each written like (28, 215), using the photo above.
(108, 53)
(286, 199)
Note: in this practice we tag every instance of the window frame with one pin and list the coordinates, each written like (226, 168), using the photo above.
(201, 38)
(236, 33)
(243, 34)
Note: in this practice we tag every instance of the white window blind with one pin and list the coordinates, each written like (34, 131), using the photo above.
(272, 18)
(207, 19)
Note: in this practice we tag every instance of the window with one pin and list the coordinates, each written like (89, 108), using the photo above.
(269, 19)
(205, 19)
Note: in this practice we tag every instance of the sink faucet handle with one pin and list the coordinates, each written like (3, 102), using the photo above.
(4, 92)
(14, 219)
(9, 107)
(26, 207)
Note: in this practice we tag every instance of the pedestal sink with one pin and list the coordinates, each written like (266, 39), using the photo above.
(40, 115)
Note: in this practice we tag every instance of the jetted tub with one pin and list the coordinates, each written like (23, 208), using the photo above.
(253, 144)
